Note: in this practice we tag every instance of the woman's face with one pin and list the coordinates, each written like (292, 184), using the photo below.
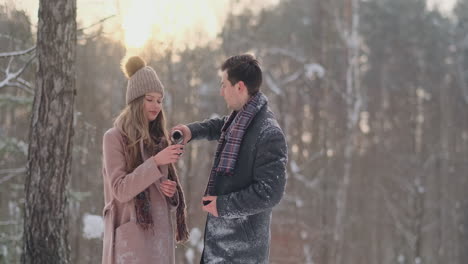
(152, 105)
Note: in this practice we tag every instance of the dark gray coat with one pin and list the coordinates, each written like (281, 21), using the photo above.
(241, 233)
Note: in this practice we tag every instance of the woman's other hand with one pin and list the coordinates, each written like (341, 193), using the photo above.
(168, 188)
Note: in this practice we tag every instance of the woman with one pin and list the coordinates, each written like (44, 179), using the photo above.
(141, 186)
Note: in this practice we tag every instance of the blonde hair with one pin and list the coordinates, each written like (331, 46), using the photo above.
(134, 126)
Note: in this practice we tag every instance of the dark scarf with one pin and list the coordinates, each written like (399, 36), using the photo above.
(231, 138)
(143, 201)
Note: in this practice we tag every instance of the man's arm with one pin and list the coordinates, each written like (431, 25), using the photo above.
(269, 179)
(209, 129)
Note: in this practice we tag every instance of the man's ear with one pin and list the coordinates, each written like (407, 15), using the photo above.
(242, 86)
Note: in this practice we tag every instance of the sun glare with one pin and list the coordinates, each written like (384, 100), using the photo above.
(177, 21)
(138, 22)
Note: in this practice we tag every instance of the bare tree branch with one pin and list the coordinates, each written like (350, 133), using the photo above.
(17, 53)
(15, 170)
(25, 83)
(272, 83)
(334, 85)
(342, 32)
(22, 81)
(11, 173)
(284, 52)
(11, 79)
(16, 99)
(10, 222)
(305, 71)
(11, 238)
(17, 41)
(462, 78)
(293, 77)
(9, 64)
(94, 24)
(393, 211)
(20, 71)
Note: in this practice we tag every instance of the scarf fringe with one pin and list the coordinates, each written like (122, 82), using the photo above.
(182, 234)
(143, 203)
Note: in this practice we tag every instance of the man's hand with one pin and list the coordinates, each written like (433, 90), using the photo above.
(185, 130)
(211, 206)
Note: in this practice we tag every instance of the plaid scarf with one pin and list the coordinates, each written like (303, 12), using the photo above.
(143, 201)
(231, 137)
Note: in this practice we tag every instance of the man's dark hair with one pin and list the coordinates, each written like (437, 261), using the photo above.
(244, 68)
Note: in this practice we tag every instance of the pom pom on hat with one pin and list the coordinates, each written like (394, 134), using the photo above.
(131, 65)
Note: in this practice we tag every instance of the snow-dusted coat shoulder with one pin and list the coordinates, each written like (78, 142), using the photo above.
(241, 233)
(124, 240)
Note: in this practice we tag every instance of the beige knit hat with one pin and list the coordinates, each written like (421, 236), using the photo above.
(142, 79)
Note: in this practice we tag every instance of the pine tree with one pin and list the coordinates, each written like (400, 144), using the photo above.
(50, 141)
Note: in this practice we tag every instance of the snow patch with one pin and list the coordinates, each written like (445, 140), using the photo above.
(190, 255)
(93, 226)
(196, 241)
(294, 167)
(299, 203)
(421, 189)
(214, 115)
(313, 70)
(364, 122)
(4, 251)
(308, 254)
(13, 209)
(195, 236)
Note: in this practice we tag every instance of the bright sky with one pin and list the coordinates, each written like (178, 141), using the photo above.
(188, 22)
(444, 5)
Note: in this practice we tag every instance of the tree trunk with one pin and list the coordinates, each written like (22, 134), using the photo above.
(354, 103)
(51, 130)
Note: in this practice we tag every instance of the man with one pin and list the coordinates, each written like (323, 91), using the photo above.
(248, 175)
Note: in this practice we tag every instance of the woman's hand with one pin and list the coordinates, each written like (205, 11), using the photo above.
(168, 188)
(169, 155)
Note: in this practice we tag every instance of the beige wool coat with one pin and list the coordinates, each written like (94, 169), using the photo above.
(124, 240)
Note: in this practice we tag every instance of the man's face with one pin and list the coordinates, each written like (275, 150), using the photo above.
(230, 92)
